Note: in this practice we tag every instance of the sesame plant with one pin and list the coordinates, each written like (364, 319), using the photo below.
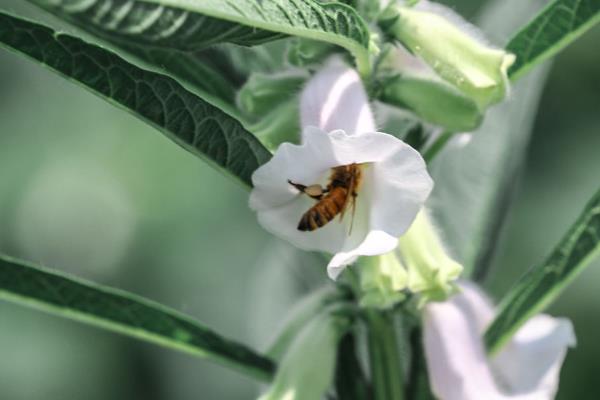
(385, 142)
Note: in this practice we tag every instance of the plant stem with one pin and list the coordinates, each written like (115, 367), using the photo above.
(418, 382)
(350, 381)
(437, 145)
(386, 369)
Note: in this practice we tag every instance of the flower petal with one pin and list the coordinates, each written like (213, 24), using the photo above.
(456, 358)
(335, 99)
(376, 242)
(402, 184)
(473, 302)
(531, 361)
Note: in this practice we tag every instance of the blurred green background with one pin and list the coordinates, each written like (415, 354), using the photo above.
(91, 190)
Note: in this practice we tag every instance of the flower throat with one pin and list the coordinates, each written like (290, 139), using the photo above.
(341, 192)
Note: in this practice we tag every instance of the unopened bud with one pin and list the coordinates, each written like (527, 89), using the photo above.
(432, 100)
(474, 68)
(431, 271)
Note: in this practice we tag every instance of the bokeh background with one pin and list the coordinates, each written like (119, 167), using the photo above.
(92, 191)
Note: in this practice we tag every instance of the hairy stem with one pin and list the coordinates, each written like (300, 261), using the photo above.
(386, 369)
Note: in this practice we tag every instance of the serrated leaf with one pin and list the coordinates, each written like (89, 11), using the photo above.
(475, 174)
(194, 124)
(543, 283)
(125, 313)
(556, 26)
(194, 24)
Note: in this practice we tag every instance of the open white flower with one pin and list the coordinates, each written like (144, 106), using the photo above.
(339, 130)
(527, 368)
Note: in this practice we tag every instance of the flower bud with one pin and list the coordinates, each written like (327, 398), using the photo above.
(262, 93)
(432, 100)
(304, 52)
(431, 272)
(281, 124)
(474, 68)
(382, 280)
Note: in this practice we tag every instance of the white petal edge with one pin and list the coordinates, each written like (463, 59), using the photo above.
(334, 98)
(531, 361)
(376, 242)
(457, 362)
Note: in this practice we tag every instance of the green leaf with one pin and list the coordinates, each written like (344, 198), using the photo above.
(543, 283)
(125, 313)
(202, 73)
(475, 174)
(158, 23)
(190, 25)
(194, 124)
(205, 71)
(555, 27)
(300, 315)
(308, 366)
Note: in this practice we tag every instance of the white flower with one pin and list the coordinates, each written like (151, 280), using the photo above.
(338, 130)
(527, 368)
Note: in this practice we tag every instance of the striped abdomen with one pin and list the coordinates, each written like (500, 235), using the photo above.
(325, 210)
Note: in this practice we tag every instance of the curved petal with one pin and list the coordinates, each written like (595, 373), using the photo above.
(401, 186)
(457, 362)
(298, 163)
(527, 369)
(335, 99)
(531, 361)
(376, 242)
(475, 304)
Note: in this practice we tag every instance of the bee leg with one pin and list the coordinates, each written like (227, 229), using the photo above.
(314, 191)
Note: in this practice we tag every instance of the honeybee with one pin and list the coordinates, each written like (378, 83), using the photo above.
(341, 192)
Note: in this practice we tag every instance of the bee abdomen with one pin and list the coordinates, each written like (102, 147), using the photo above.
(324, 211)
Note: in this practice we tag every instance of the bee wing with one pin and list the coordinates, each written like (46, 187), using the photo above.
(350, 198)
(347, 201)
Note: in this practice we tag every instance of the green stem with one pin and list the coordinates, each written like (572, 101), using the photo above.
(350, 381)
(418, 387)
(386, 369)
(437, 145)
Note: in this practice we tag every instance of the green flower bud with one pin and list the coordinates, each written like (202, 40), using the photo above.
(431, 272)
(307, 368)
(420, 265)
(304, 52)
(432, 100)
(280, 125)
(382, 279)
(475, 69)
(262, 93)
